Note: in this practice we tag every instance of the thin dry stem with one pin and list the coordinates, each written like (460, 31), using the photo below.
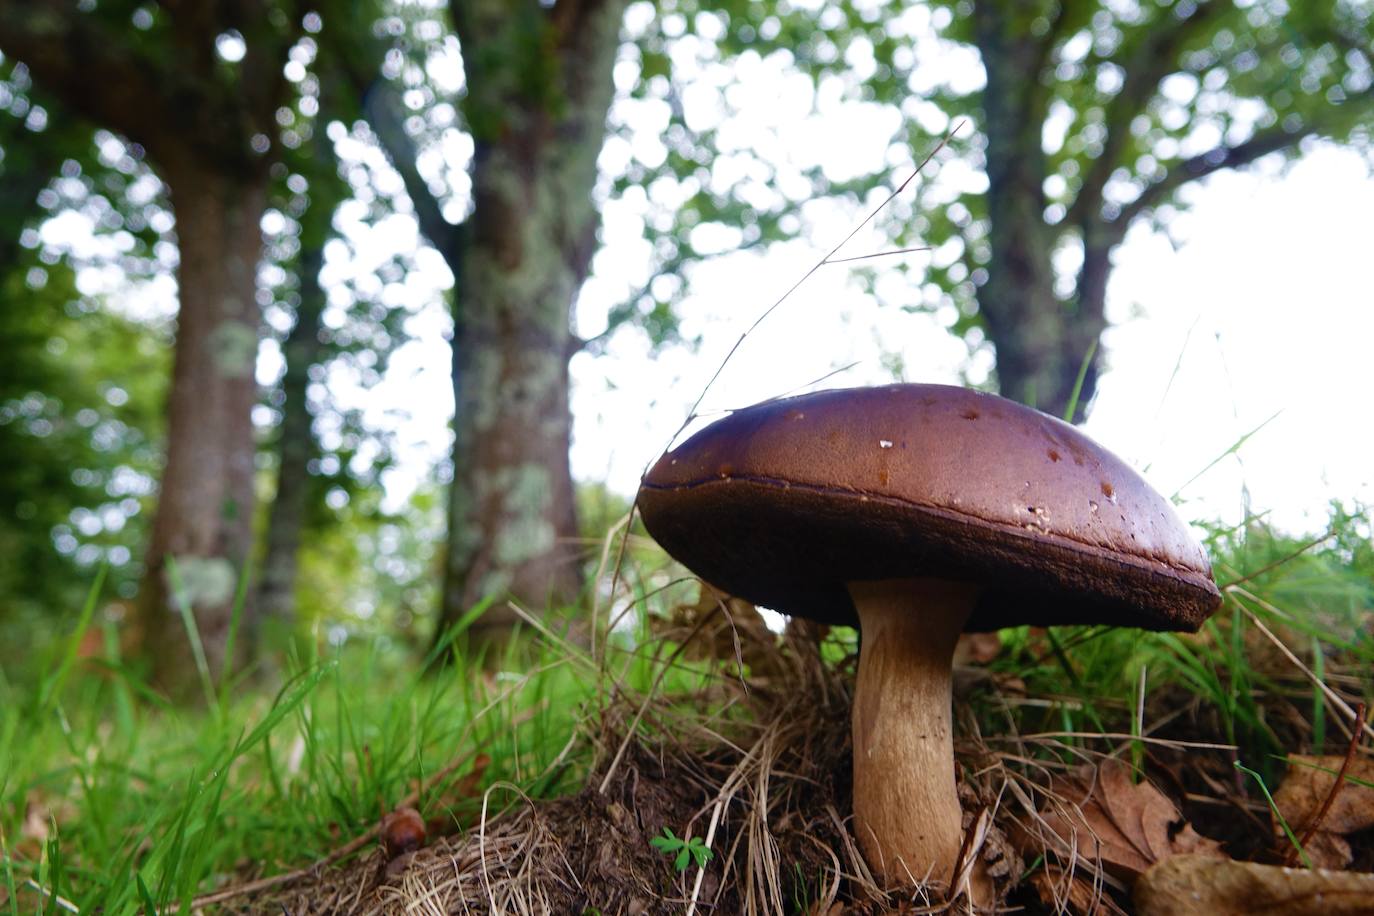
(1331, 696)
(1293, 854)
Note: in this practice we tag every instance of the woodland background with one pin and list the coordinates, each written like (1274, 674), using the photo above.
(216, 152)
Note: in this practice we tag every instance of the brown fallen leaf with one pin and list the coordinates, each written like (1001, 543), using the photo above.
(1303, 798)
(1325, 849)
(36, 820)
(1308, 784)
(472, 781)
(1202, 884)
(457, 798)
(1102, 816)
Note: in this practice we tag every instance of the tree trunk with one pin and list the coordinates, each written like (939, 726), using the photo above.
(519, 264)
(276, 598)
(205, 506)
(1041, 339)
(512, 525)
(208, 129)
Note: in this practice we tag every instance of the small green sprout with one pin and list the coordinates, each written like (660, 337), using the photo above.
(685, 850)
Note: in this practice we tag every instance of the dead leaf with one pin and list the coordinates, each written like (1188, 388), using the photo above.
(1327, 850)
(34, 829)
(1308, 784)
(467, 786)
(1101, 815)
(464, 789)
(36, 820)
(734, 630)
(1202, 884)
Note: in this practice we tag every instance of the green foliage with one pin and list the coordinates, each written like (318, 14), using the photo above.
(148, 805)
(683, 851)
(1120, 105)
(81, 392)
(372, 574)
(1315, 595)
(351, 330)
(82, 383)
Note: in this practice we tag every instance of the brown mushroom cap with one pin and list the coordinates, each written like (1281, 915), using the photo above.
(784, 502)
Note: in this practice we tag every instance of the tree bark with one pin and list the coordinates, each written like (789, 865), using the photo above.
(519, 264)
(208, 131)
(205, 507)
(1041, 338)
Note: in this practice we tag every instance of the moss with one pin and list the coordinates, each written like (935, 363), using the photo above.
(525, 538)
(233, 346)
(204, 581)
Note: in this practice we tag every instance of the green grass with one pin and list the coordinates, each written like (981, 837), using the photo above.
(149, 805)
(146, 805)
(1316, 597)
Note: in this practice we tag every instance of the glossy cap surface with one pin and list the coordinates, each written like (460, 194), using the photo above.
(784, 502)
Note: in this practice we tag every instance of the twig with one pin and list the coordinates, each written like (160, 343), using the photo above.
(876, 254)
(701, 870)
(61, 902)
(1114, 736)
(1355, 735)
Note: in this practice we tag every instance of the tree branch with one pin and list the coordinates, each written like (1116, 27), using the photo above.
(1222, 157)
(357, 57)
(1154, 57)
(94, 73)
(382, 106)
(1069, 16)
(164, 98)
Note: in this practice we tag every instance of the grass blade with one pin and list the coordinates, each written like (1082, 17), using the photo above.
(192, 631)
(1274, 809)
(235, 617)
(9, 874)
(1072, 407)
(53, 686)
(1235, 447)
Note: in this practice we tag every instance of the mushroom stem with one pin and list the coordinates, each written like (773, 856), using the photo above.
(906, 805)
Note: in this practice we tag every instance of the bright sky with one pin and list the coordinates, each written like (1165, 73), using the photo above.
(1270, 303)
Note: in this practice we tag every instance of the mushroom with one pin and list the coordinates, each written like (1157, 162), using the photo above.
(917, 512)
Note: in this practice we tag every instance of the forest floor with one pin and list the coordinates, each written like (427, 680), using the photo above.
(699, 762)
(757, 769)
